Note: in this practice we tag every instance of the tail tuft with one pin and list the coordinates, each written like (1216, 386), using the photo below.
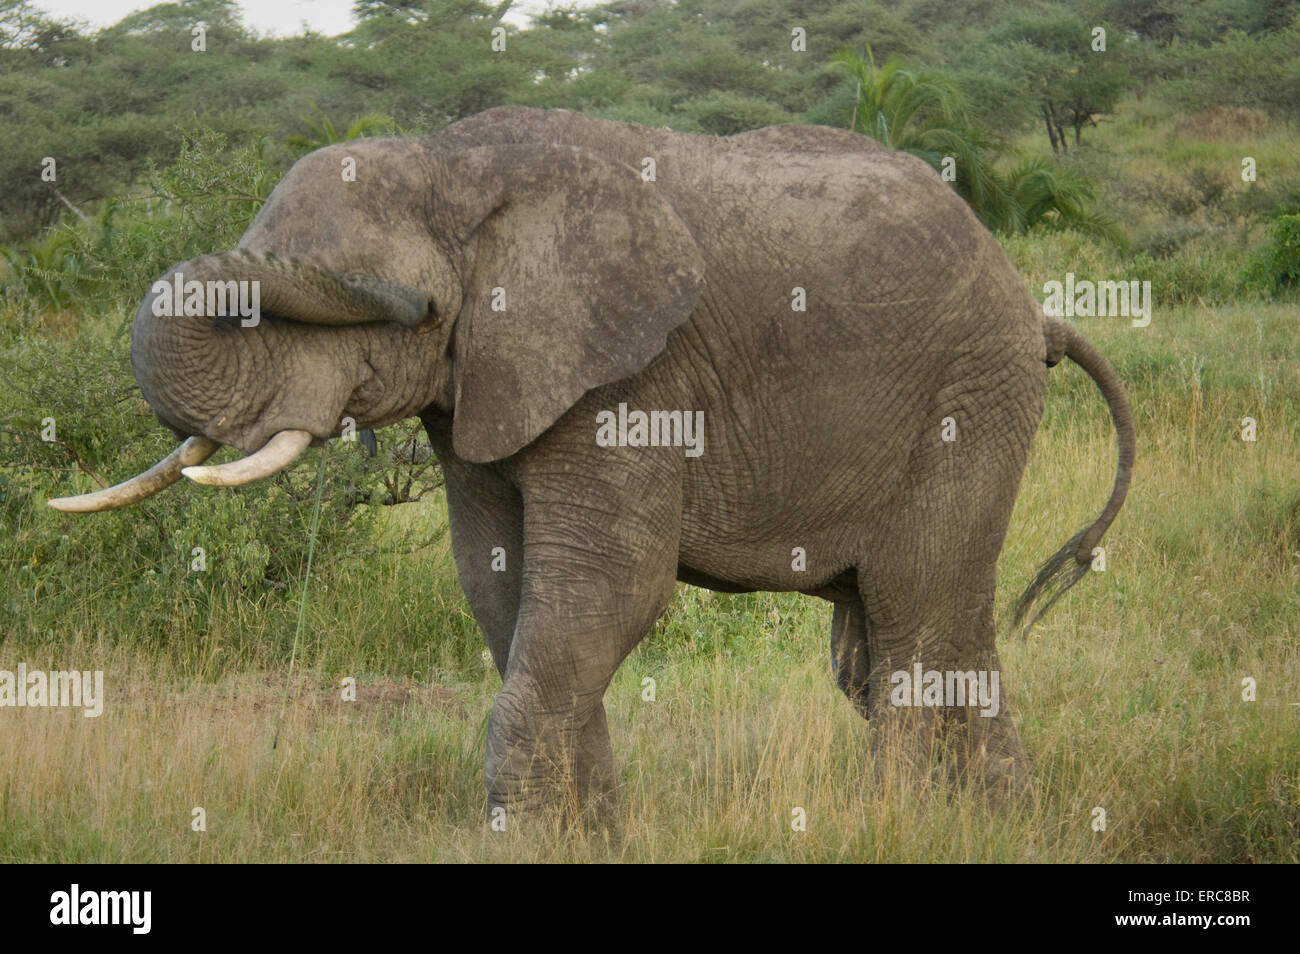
(1068, 564)
(1058, 574)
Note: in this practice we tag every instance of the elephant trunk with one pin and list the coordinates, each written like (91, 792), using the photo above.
(197, 374)
(300, 291)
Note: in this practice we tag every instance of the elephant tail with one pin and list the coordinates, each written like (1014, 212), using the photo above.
(1068, 565)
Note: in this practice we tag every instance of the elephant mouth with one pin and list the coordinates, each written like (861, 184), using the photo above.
(279, 452)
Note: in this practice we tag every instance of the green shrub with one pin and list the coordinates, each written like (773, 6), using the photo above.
(725, 114)
(1198, 271)
(1276, 266)
(74, 420)
(1047, 255)
(203, 201)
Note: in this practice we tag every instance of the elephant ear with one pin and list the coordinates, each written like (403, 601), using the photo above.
(580, 269)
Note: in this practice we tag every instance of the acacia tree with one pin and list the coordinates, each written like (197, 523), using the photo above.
(1073, 83)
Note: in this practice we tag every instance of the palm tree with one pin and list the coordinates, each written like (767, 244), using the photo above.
(1045, 195)
(924, 113)
(324, 133)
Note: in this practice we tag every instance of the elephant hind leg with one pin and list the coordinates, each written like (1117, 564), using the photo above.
(927, 590)
(904, 744)
(850, 653)
(920, 721)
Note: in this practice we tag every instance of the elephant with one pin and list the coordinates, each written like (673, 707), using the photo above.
(790, 359)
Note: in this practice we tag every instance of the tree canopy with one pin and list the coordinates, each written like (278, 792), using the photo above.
(105, 106)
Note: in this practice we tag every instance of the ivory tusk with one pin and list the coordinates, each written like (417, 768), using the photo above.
(194, 450)
(280, 451)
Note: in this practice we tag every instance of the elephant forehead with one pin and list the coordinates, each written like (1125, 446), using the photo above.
(352, 206)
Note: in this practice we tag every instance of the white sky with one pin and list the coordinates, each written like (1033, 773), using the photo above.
(282, 17)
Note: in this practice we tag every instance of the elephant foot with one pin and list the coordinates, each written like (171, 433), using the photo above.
(913, 748)
(556, 808)
(545, 778)
(1007, 780)
(991, 758)
(994, 777)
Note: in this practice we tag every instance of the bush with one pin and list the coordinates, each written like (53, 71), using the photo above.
(74, 420)
(725, 114)
(1200, 271)
(1168, 240)
(1047, 255)
(1276, 266)
(204, 200)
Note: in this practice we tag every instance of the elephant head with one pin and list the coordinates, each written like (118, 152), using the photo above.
(496, 284)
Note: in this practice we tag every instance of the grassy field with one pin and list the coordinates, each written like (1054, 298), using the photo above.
(1129, 694)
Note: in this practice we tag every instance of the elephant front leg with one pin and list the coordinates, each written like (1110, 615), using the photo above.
(599, 568)
(548, 742)
(486, 521)
(486, 518)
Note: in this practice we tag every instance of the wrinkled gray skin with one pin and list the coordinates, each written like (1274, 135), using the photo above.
(822, 428)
